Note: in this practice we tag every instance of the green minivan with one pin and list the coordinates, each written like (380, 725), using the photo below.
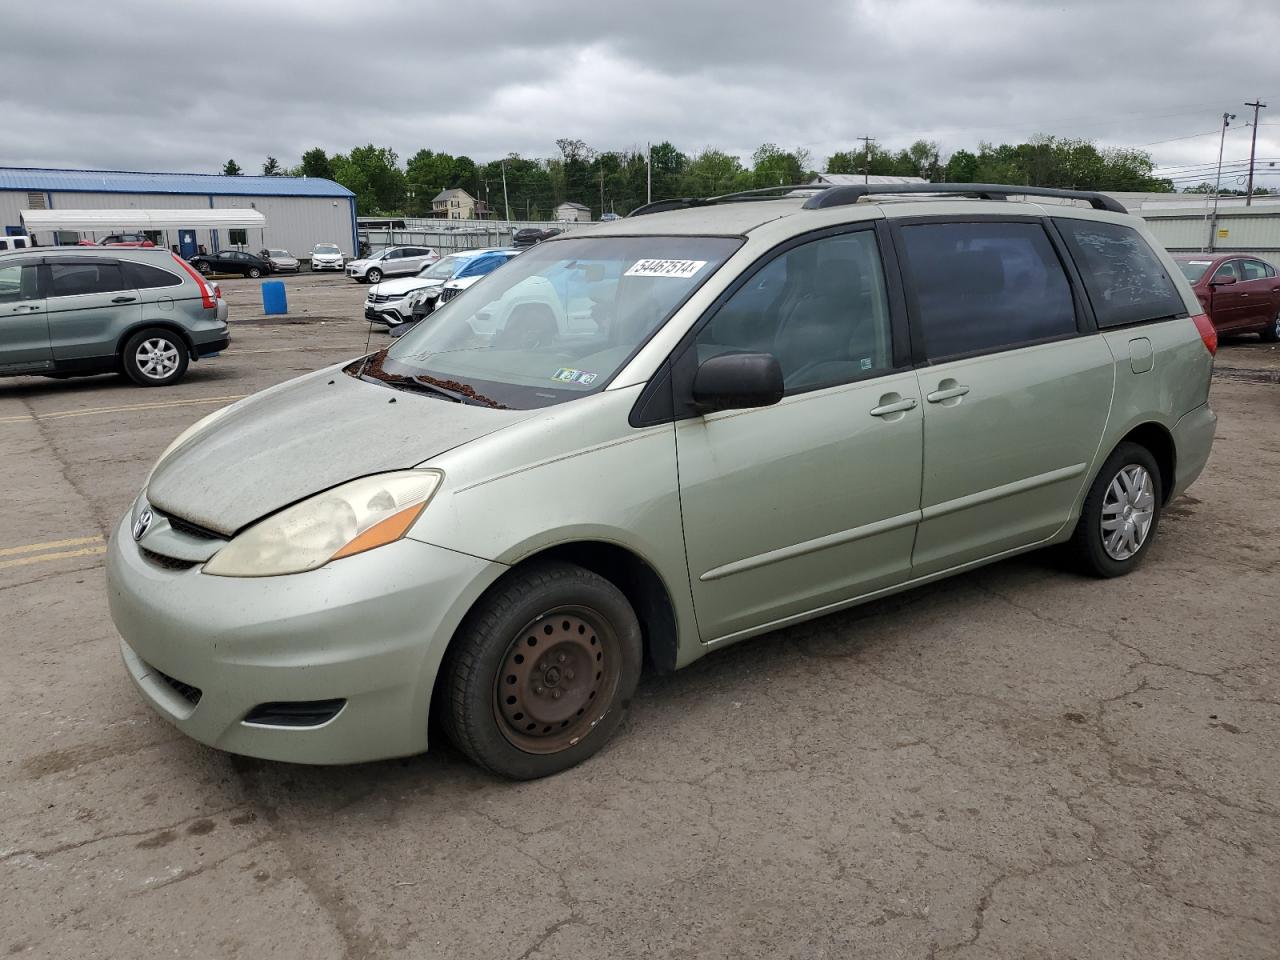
(649, 439)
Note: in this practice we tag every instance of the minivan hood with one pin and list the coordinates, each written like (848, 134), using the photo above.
(305, 436)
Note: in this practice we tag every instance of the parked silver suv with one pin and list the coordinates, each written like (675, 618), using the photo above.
(82, 310)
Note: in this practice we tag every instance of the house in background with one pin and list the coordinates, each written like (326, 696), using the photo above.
(456, 204)
(571, 212)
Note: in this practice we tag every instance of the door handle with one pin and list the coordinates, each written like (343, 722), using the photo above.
(123, 299)
(947, 393)
(897, 406)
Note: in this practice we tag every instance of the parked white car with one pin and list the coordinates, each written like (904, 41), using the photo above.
(392, 301)
(326, 256)
(393, 261)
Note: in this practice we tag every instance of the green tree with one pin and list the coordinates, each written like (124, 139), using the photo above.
(714, 172)
(231, 169)
(373, 174)
(962, 167)
(771, 166)
(315, 163)
(271, 168)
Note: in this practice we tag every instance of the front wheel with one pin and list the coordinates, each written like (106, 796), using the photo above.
(155, 358)
(1120, 514)
(373, 276)
(1271, 333)
(203, 267)
(255, 273)
(542, 671)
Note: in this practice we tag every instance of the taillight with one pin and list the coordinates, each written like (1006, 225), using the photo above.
(208, 295)
(1207, 333)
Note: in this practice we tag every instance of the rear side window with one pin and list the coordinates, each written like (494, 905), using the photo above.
(143, 276)
(1255, 270)
(1125, 280)
(986, 286)
(76, 279)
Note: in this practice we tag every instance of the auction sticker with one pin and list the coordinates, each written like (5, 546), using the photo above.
(568, 375)
(680, 269)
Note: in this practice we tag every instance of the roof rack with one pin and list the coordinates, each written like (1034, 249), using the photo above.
(838, 196)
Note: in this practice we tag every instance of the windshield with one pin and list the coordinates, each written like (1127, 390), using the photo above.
(442, 269)
(325, 248)
(1193, 270)
(557, 322)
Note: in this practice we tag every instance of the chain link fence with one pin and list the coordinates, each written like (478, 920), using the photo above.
(452, 236)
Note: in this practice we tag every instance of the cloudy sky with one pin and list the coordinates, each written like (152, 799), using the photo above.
(185, 85)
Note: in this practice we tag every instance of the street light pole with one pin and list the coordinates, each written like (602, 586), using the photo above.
(1253, 149)
(1217, 187)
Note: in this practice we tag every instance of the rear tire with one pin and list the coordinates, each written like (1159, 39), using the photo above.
(255, 273)
(203, 267)
(541, 672)
(155, 357)
(1120, 515)
(1271, 334)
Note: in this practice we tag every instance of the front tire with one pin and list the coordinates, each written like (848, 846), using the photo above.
(541, 672)
(155, 358)
(373, 276)
(254, 273)
(1120, 515)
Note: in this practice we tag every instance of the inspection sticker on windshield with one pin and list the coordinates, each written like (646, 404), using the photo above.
(680, 269)
(567, 375)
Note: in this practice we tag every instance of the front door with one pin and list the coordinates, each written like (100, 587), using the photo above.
(90, 304)
(1229, 298)
(187, 243)
(801, 506)
(24, 327)
(1016, 390)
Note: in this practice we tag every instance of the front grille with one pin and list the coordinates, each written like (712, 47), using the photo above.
(185, 690)
(295, 713)
(169, 563)
(448, 293)
(190, 529)
(384, 297)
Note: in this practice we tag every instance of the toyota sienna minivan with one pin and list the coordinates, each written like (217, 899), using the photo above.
(643, 441)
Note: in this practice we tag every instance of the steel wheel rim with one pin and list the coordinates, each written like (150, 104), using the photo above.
(1127, 511)
(157, 358)
(551, 692)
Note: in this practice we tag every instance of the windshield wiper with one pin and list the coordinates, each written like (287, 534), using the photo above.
(408, 383)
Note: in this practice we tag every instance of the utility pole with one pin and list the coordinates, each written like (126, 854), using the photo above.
(1217, 187)
(866, 157)
(602, 191)
(505, 202)
(1253, 149)
(648, 168)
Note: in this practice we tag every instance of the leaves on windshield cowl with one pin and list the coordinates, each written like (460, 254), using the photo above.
(372, 366)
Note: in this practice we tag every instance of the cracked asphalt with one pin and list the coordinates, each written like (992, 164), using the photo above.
(1015, 763)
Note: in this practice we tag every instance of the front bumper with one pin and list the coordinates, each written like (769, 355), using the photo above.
(382, 314)
(319, 265)
(369, 629)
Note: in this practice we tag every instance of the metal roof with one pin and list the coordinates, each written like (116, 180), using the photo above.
(103, 220)
(129, 181)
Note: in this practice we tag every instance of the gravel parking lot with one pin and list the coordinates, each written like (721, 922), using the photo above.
(1014, 763)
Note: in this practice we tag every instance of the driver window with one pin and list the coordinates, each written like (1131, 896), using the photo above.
(820, 308)
(1228, 269)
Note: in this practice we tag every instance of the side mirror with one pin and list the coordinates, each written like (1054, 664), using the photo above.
(1222, 281)
(737, 381)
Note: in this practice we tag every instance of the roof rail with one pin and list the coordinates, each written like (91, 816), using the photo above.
(761, 193)
(838, 196)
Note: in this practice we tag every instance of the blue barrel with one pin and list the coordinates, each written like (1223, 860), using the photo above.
(273, 298)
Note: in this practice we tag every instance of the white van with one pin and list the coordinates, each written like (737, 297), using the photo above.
(15, 243)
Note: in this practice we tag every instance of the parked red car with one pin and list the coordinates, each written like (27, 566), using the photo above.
(1240, 294)
(121, 240)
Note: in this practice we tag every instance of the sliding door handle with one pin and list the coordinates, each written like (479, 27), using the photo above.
(953, 392)
(896, 406)
(123, 299)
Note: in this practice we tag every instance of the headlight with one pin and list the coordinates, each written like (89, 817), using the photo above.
(346, 520)
(198, 427)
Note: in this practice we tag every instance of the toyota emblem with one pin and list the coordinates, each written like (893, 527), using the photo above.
(142, 524)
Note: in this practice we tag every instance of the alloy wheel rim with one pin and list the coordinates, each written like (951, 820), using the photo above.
(157, 358)
(1127, 511)
(556, 680)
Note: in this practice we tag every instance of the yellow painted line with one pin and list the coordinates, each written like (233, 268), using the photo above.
(48, 545)
(124, 408)
(61, 555)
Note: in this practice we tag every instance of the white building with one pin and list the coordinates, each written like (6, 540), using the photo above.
(572, 212)
(296, 212)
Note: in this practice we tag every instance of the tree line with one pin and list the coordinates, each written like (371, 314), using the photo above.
(615, 181)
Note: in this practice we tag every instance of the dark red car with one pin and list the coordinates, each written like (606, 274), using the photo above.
(121, 240)
(1241, 294)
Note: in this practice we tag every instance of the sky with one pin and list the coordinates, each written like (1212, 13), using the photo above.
(180, 86)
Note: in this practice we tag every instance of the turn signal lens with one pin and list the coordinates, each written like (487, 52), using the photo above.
(1207, 332)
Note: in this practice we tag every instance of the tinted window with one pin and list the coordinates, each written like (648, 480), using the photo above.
(75, 279)
(143, 276)
(1124, 278)
(17, 282)
(820, 308)
(1254, 270)
(986, 286)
